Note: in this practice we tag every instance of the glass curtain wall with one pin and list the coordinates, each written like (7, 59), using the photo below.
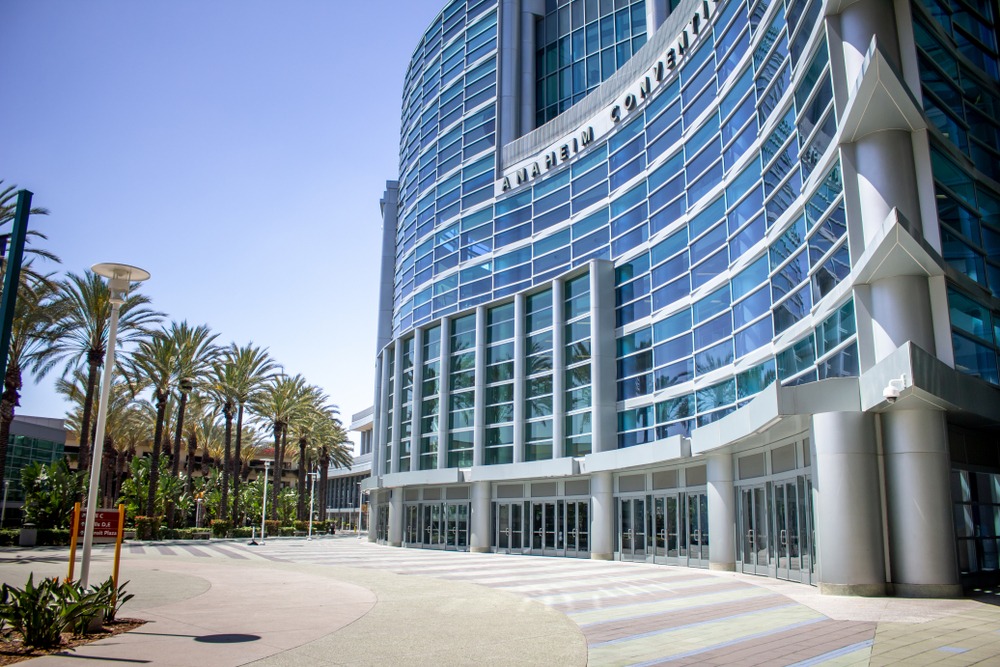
(500, 384)
(577, 360)
(538, 369)
(430, 412)
(461, 387)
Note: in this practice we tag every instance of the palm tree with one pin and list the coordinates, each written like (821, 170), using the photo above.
(154, 361)
(29, 342)
(286, 399)
(332, 448)
(8, 207)
(81, 334)
(307, 430)
(252, 368)
(194, 355)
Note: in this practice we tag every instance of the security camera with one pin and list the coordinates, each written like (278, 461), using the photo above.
(894, 389)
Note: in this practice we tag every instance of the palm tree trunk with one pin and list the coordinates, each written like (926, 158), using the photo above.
(107, 473)
(178, 432)
(192, 450)
(324, 478)
(8, 401)
(300, 507)
(227, 463)
(154, 461)
(93, 363)
(277, 471)
(119, 473)
(237, 466)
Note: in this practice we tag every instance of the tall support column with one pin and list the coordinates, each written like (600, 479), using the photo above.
(721, 513)
(382, 453)
(374, 498)
(656, 12)
(918, 488)
(901, 311)
(602, 521)
(529, 20)
(519, 373)
(442, 461)
(396, 517)
(558, 369)
(418, 398)
(848, 514)
(397, 405)
(479, 392)
(887, 179)
(481, 525)
(859, 22)
(509, 94)
(602, 361)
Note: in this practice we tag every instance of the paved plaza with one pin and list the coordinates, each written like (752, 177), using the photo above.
(341, 601)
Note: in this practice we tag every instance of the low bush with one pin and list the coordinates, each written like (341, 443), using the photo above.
(221, 527)
(53, 537)
(147, 527)
(242, 531)
(42, 612)
(9, 537)
(287, 531)
(272, 527)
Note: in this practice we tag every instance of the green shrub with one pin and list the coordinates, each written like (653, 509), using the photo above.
(53, 537)
(272, 527)
(221, 527)
(42, 613)
(287, 531)
(242, 531)
(9, 537)
(147, 527)
(169, 533)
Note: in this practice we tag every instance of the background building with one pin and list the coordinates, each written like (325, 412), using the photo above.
(32, 440)
(708, 283)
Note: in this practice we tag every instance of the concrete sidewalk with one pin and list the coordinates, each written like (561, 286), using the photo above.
(206, 611)
(343, 601)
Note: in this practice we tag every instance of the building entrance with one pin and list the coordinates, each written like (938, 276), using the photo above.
(542, 527)
(437, 525)
(632, 521)
(775, 526)
(678, 529)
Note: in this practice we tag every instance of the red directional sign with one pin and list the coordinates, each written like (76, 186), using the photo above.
(105, 526)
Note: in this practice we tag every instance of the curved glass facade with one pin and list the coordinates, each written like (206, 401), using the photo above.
(723, 205)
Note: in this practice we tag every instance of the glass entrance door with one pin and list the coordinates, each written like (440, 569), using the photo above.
(792, 520)
(577, 528)
(433, 526)
(546, 528)
(632, 529)
(755, 547)
(697, 525)
(456, 529)
(412, 535)
(508, 527)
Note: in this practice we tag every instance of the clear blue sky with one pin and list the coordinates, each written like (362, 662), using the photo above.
(235, 149)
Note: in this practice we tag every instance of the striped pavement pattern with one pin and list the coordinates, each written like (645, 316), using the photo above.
(630, 613)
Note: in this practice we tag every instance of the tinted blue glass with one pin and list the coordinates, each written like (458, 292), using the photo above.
(628, 221)
(664, 142)
(672, 350)
(590, 197)
(667, 193)
(753, 337)
(628, 172)
(747, 208)
(710, 268)
(747, 237)
(713, 330)
(668, 376)
(635, 341)
(591, 243)
(591, 222)
(670, 270)
(736, 93)
(709, 242)
(831, 273)
(715, 357)
(711, 304)
(633, 290)
(750, 277)
(598, 156)
(677, 323)
(708, 217)
(790, 276)
(662, 122)
(751, 308)
(669, 246)
(512, 219)
(629, 241)
(705, 182)
(512, 235)
(671, 292)
(551, 218)
(791, 310)
(787, 243)
(628, 200)
(589, 179)
(668, 214)
(632, 312)
(800, 356)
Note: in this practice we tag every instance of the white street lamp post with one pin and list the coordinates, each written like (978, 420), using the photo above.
(120, 277)
(312, 497)
(197, 519)
(263, 505)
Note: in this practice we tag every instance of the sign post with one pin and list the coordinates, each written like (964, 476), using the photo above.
(109, 526)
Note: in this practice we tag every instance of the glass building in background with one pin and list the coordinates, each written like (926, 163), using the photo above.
(712, 283)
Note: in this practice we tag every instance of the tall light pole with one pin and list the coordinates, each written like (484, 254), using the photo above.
(120, 278)
(312, 497)
(263, 504)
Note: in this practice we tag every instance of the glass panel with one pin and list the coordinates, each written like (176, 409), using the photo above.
(516, 527)
(503, 536)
